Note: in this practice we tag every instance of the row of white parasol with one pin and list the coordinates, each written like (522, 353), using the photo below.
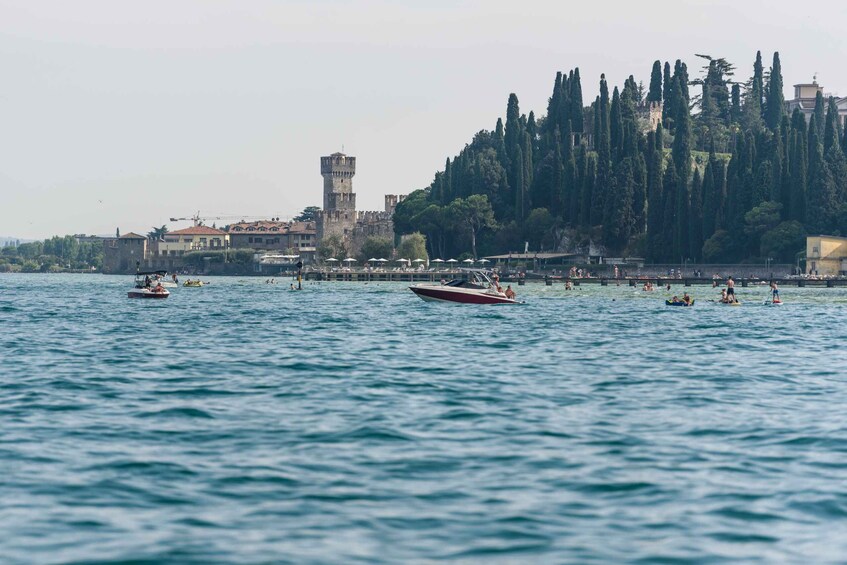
(375, 260)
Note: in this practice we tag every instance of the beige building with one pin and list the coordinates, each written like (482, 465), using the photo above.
(804, 100)
(268, 235)
(826, 255)
(196, 238)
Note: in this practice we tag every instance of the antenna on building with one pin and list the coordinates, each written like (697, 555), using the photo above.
(342, 148)
(815, 78)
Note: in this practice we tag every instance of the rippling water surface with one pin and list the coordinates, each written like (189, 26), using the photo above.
(244, 423)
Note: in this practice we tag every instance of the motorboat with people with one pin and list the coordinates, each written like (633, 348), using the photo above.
(147, 286)
(480, 287)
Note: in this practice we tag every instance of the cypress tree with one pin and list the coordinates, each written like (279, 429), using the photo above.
(553, 104)
(818, 116)
(681, 151)
(667, 96)
(776, 100)
(680, 73)
(832, 127)
(617, 227)
(735, 108)
(528, 168)
(680, 233)
(655, 92)
(786, 138)
(596, 126)
(513, 138)
(517, 180)
(447, 195)
(589, 176)
(615, 126)
(758, 87)
(799, 173)
(695, 225)
(639, 195)
(655, 206)
(763, 183)
(710, 200)
(753, 102)
(670, 183)
(500, 145)
(604, 177)
(576, 103)
(820, 202)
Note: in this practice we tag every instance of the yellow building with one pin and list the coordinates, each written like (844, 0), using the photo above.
(197, 238)
(826, 255)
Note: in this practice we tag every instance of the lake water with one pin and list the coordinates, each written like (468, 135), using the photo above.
(244, 423)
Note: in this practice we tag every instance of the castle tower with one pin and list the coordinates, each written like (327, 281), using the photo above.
(338, 170)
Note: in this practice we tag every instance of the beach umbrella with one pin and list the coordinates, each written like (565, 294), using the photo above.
(373, 260)
(419, 261)
(437, 261)
(401, 260)
(331, 260)
(349, 260)
(452, 261)
(382, 260)
(468, 261)
(484, 261)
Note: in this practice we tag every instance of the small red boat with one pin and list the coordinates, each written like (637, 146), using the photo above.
(479, 289)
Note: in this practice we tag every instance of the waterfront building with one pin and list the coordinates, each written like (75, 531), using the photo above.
(826, 255)
(804, 100)
(272, 235)
(339, 216)
(122, 254)
(195, 238)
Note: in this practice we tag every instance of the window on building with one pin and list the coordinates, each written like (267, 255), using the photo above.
(815, 249)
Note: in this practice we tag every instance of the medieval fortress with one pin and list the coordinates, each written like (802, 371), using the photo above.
(339, 216)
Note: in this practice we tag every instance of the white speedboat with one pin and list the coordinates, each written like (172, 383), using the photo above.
(478, 289)
(146, 286)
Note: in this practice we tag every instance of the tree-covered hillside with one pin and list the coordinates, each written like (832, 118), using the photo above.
(726, 175)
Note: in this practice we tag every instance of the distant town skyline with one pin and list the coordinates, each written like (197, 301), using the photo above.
(113, 116)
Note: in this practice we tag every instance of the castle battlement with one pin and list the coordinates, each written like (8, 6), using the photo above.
(338, 164)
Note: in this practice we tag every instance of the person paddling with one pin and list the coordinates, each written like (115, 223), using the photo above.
(775, 293)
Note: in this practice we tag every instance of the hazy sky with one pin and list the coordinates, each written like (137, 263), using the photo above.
(125, 114)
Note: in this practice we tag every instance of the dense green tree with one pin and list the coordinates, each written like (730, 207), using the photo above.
(413, 246)
(604, 163)
(695, 222)
(376, 247)
(775, 106)
(576, 103)
(473, 214)
(309, 214)
(655, 92)
(783, 242)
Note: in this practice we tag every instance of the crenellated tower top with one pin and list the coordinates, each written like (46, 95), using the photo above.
(338, 170)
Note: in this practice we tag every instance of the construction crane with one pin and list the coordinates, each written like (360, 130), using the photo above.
(200, 220)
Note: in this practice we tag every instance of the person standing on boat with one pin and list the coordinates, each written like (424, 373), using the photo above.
(730, 290)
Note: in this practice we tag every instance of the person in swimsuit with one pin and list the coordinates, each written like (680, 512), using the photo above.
(775, 292)
(730, 290)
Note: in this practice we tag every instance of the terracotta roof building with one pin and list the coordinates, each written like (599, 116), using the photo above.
(196, 238)
(268, 235)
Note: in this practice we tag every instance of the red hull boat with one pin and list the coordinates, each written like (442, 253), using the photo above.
(478, 290)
